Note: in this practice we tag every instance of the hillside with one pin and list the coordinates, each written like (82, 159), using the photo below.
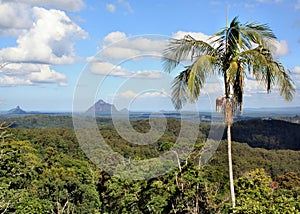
(42, 121)
(257, 133)
(45, 170)
(245, 158)
(268, 134)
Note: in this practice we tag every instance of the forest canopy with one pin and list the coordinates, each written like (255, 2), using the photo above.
(44, 170)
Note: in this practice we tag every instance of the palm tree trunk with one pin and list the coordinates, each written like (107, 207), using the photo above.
(230, 166)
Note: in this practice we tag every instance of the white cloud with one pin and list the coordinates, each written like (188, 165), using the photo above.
(109, 69)
(71, 5)
(30, 74)
(215, 3)
(121, 53)
(296, 75)
(114, 37)
(13, 81)
(212, 88)
(47, 75)
(281, 48)
(111, 8)
(15, 18)
(296, 70)
(126, 4)
(252, 86)
(153, 94)
(51, 45)
(127, 94)
(269, 1)
(147, 75)
(297, 5)
(120, 4)
(117, 45)
(195, 35)
(145, 95)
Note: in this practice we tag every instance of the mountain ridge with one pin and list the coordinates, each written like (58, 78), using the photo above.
(16, 110)
(103, 108)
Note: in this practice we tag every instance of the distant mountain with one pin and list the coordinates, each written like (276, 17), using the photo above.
(103, 108)
(16, 110)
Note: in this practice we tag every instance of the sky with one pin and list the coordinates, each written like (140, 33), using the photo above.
(65, 55)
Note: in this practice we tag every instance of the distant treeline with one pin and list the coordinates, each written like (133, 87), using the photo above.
(258, 133)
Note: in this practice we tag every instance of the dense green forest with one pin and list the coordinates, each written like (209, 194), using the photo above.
(44, 170)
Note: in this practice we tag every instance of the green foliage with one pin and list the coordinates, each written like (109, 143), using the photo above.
(42, 121)
(191, 190)
(123, 196)
(35, 182)
(246, 158)
(45, 171)
(257, 193)
(233, 53)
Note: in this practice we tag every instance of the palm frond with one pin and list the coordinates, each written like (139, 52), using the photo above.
(188, 84)
(236, 75)
(260, 34)
(184, 49)
(269, 72)
(285, 83)
(200, 70)
(230, 52)
(179, 88)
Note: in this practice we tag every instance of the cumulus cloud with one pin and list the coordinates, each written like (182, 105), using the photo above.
(71, 5)
(195, 35)
(111, 8)
(126, 4)
(252, 86)
(30, 74)
(117, 45)
(13, 81)
(120, 4)
(296, 70)
(44, 37)
(147, 94)
(109, 69)
(50, 45)
(47, 75)
(296, 75)
(281, 48)
(15, 18)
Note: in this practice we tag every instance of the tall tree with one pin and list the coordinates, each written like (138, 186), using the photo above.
(234, 52)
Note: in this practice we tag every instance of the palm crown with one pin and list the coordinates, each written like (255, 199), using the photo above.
(234, 52)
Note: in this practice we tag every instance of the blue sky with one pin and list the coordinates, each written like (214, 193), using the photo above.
(84, 50)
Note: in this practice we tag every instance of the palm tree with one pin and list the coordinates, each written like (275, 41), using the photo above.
(236, 51)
